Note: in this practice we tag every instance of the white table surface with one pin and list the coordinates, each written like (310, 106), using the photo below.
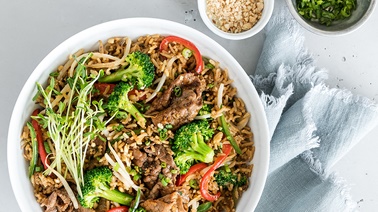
(29, 30)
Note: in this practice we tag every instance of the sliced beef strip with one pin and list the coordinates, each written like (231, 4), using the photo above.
(101, 206)
(160, 190)
(179, 110)
(150, 161)
(139, 157)
(58, 201)
(155, 191)
(187, 81)
(182, 110)
(100, 145)
(162, 154)
(169, 203)
(151, 170)
(82, 209)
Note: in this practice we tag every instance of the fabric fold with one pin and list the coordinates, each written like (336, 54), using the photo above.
(342, 120)
(294, 134)
(303, 76)
(287, 184)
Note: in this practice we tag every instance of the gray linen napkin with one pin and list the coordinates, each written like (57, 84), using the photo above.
(312, 126)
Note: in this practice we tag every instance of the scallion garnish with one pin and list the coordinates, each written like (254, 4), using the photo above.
(326, 11)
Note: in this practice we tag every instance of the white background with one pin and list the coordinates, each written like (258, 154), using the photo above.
(29, 30)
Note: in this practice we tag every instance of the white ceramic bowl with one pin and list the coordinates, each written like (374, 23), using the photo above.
(266, 14)
(134, 28)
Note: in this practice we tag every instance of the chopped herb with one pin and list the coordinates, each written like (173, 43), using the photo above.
(133, 172)
(137, 169)
(148, 142)
(47, 147)
(137, 131)
(54, 74)
(116, 167)
(38, 169)
(136, 177)
(163, 132)
(118, 127)
(163, 165)
(206, 109)
(227, 169)
(209, 66)
(193, 184)
(204, 207)
(164, 180)
(142, 107)
(326, 11)
(177, 91)
(187, 53)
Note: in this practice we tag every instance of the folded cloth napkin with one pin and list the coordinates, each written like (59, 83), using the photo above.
(312, 126)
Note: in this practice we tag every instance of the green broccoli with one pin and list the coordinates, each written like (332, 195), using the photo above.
(224, 177)
(189, 145)
(96, 185)
(119, 102)
(140, 71)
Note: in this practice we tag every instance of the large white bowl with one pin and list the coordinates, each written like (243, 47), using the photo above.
(134, 28)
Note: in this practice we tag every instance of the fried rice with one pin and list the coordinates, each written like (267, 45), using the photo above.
(126, 136)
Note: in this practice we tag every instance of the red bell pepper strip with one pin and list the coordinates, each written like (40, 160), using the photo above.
(196, 53)
(41, 146)
(195, 168)
(204, 185)
(119, 209)
(104, 87)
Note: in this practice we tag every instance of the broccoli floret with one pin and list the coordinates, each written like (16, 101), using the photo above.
(119, 102)
(189, 145)
(96, 185)
(139, 72)
(223, 177)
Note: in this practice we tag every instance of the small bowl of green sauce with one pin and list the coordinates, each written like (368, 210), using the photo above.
(330, 17)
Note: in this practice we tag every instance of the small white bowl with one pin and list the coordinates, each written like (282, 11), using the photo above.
(266, 14)
(133, 28)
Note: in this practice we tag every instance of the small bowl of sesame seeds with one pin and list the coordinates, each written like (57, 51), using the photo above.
(235, 19)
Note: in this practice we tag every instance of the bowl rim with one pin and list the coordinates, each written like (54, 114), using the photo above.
(266, 14)
(17, 174)
(317, 31)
